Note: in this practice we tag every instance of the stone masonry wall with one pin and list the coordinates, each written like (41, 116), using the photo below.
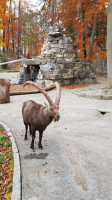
(59, 61)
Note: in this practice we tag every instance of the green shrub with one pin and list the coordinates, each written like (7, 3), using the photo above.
(3, 59)
(2, 139)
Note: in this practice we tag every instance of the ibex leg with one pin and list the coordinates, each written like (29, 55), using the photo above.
(40, 139)
(33, 137)
(26, 132)
(30, 129)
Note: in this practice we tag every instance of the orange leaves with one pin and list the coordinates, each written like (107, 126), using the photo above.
(26, 2)
(44, 35)
(7, 181)
(5, 12)
(75, 86)
(78, 19)
(51, 11)
(2, 191)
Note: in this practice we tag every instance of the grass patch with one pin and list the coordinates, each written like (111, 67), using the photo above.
(9, 70)
(6, 166)
(2, 139)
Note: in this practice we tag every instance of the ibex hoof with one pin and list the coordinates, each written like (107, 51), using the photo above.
(32, 147)
(40, 146)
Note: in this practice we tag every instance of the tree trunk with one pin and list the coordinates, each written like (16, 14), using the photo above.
(4, 39)
(4, 33)
(19, 33)
(13, 34)
(92, 37)
(84, 38)
(53, 12)
(9, 22)
(109, 43)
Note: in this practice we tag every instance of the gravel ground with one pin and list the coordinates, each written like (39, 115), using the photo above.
(76, 160)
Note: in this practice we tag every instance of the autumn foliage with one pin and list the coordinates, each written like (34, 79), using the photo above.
(79, 18)
(83, 14)
(22, 29)
(19, 29)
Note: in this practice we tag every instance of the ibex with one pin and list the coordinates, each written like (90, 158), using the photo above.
(37, 116)
(4, 90)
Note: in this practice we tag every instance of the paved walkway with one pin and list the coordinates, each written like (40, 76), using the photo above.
(12, 76)
(76, 160)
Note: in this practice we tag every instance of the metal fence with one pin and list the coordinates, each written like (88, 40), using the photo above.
(100, 67)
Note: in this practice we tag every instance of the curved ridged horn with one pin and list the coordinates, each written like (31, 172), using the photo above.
(41, 90)
(58, 93)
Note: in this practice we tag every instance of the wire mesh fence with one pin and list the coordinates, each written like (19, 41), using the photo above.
(100, 67)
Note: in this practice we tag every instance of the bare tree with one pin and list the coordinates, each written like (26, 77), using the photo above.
(53, 11)
(92, 37)
(9, 22)
(19, 33)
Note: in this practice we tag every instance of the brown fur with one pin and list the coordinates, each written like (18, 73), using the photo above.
(38, 117)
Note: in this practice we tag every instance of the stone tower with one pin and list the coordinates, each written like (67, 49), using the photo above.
(57, 61)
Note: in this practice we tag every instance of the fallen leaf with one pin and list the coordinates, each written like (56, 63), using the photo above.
(98, 156)
(6, 165)
(2, 191)
(75, 86)
(0, 182)
(22, 135)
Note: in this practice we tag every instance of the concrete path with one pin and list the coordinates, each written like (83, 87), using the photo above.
(12, 76)
(76, 160)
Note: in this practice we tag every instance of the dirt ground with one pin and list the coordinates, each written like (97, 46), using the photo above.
(18, 88)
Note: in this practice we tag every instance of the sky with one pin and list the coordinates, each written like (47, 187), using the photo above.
(36, 3)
